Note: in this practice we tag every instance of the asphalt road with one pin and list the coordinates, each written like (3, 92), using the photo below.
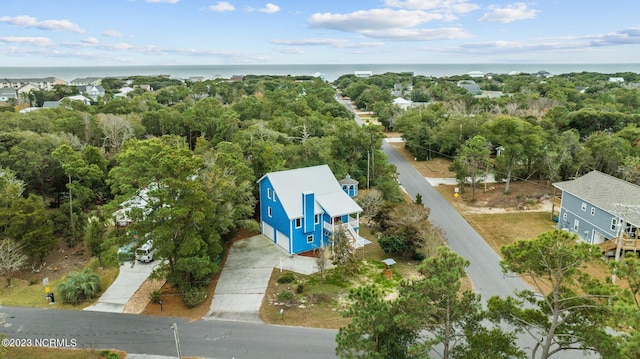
(484, 270)
(153, 335)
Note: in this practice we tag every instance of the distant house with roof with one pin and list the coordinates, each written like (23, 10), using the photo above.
(51, 104)
(92, 91)
(542, 73)
(402, 103)
(85, 81)
(320, 75)
(475, 74)
(363, 74)
(7, 94)
(617, 80)
(123, 91)
(599, 208)
(43, 83)
(138, 202)
(301, 209)
(27, 88)
(471, 86)
(84, 99)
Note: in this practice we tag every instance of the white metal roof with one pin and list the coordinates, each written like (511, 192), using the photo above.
(330, 198)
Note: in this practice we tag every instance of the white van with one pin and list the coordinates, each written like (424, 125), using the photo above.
(144, 253)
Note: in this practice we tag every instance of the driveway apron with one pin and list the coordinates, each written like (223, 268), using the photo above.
(245, 277)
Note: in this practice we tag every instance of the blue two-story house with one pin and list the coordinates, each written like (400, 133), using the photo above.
(599, 207)
(300, 209)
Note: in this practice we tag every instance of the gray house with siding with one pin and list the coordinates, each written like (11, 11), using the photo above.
(596, 206)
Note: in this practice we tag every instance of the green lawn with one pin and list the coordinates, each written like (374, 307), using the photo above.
(24, 294)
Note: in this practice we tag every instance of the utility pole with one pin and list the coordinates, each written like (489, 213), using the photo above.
(368, 169)
(73, 227)
(174, 326)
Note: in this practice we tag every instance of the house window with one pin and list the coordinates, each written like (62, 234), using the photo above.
(593, 211)
(576, 223)
(269, 211)
(564, 216)
(614, 224)
(274, 196)
(269, 193)
(316, 219)
(310, 238)
(584, 206)
(298, 222)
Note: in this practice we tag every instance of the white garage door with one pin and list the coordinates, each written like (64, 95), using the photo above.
(267, 230)
(283, 241)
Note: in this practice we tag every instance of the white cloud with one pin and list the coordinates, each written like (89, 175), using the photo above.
(221, 6)
(509, 13)
(443, 33)
(30, 21)
(336, 43)
(374, 19)
(560, 45)
(162, 1)
(269, 8)
(291, 51)
(33, 41)
(403, 25)
(91, 40)
(112, 33)
(455, 6)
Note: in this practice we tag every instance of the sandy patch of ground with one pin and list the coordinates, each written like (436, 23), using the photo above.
(142, 297)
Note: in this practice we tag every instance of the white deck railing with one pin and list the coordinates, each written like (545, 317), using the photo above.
(351, 224)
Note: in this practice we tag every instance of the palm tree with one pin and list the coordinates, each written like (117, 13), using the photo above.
(80, 286)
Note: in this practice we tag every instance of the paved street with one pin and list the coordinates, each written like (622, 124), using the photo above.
(153, 335)
(484, 270)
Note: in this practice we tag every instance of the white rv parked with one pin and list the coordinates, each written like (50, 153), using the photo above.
(144, 253)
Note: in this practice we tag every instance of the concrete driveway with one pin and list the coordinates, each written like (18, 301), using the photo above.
(245, 277)
(118, 294)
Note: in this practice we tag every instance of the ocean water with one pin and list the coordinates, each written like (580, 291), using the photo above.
(331, 72)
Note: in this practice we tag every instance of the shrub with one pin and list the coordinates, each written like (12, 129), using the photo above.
(285, 295)
(192, 297)
(287, 277)
(392, 243)
(109, 355)
(419, 256)
(300, 288)
(79, 286)
(154, 296)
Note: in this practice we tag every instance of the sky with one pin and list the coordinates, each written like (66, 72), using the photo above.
(203, 32)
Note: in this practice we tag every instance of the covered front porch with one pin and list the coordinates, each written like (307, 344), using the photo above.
(350, 225)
